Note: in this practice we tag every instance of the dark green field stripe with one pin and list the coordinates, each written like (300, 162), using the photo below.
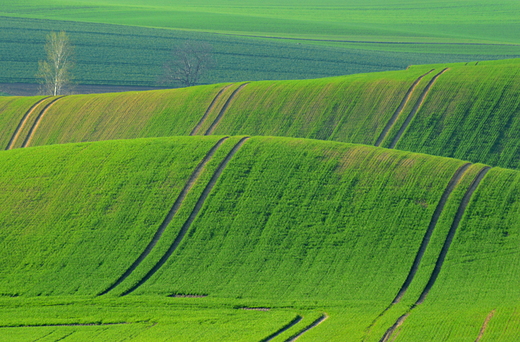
(38, 120)
(442, 256)
(22, 123)
(210, 108)
(399, 109)
(416, 108)
(223, 110)
(283, 329)
(178, 202)
(307, 328)
(62, 325)
(191, 218)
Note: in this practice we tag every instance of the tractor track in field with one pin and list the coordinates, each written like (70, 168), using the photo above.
(399, 109)
(444, 251)
(185, 227)
(63, 325)
(176, 205)
(224, 109)
(485, 325)
(22, 123)
(208, 110)
(416, 108)
(425, 241)
(38, 120)
(314, 324)
(283, 329)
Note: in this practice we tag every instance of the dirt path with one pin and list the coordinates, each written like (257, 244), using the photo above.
(191, 218)
(485, 325)
(314, 324)
(21, 124)
(416, 108)
(223, 110)
(178, 202)
(210, 108)
(442, 256)
(283, 329)
(399, 109)
(37, 121)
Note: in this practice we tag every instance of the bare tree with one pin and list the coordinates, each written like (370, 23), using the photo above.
(55, 71)
(188, 64)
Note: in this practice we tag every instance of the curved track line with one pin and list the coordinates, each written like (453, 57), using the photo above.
(442, 256)
(223, 110)
(399, 109)
(22, 123)
(178, 202)
(307, 328)
(283, 329)
(485, 325)
(208, 110)
(416, 108)
(191, 218)
(38, 120)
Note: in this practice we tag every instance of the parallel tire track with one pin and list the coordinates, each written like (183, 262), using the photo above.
(178, 202)
(22, 123)
(307, 328)
(442, 256)
(191, 218)
(208, 110)
(283, 329)
(416, 108)
(223, 110)
(38, 120)
(399, 109)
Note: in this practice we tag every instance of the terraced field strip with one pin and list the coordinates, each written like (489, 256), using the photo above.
(416, 108)
(178, 202)
(38, 120)
(314, 324)
(210, 108)
(223, 110)
(444, 251)
(283, 329)
(191, 218)
(399, 109)
(485, 325)
(22, 124)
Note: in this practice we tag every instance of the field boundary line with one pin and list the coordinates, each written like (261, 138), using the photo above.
(169, 217)
(208, 110)
(283, 329)
(224, 109)
(442, 256)
(37, 121)
(485, 325)
(399, 109)
(416, 108)
(64, 325)
(314, 324)
(191, 218)
(22, 123)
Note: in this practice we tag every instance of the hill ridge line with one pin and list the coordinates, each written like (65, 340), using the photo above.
(283, 329)
(416, 108)
(169, 217)
(223, 110)
(22, 123)
(191, 218)
(444, 251)
(314, 324)
(208, 110)
(37, 121)
(399, 109)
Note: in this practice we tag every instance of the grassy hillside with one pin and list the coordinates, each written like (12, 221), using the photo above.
(467, 111)
(306, 228)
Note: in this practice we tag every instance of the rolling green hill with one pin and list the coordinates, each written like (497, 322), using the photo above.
(466, 111)
(238, 238)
